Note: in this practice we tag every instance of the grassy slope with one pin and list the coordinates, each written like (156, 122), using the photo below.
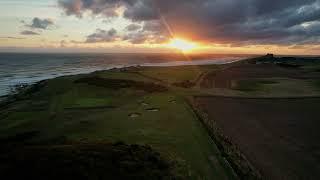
(81, 112)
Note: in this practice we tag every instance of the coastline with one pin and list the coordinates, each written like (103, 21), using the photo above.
(123, 67)
(131, 94)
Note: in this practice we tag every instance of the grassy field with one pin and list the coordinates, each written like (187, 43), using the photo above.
(146, 106)
(176, 74)
(64, 108)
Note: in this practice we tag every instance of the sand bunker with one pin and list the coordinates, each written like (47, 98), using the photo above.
(134, 115)
(172, 101)
(144, 104)
(153, 109)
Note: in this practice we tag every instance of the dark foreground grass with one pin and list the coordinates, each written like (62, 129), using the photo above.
(317, 83)
(83, 161)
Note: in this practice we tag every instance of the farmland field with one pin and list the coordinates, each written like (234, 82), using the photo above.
(281, 133)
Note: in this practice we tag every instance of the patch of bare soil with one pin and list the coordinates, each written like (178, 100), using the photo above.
(280, 137)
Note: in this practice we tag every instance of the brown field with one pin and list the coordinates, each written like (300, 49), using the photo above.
(280, 137)
(224, 78)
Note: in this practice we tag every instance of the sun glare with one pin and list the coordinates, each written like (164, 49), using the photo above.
(182, 44)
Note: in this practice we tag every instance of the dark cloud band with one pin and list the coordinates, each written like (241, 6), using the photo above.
(218, 21)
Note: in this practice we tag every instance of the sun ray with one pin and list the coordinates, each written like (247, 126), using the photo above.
(182, 45)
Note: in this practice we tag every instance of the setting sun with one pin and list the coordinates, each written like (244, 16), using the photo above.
(182, 44)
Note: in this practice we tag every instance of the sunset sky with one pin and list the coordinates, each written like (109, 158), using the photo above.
(204, 26)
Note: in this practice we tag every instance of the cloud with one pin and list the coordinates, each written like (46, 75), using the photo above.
(133, 27)
(11, 37)
(102, 36)
(63, 43)
(216, 21)
(107, 8)
(36, 26)
(142, 10)
(27, 32)
(152, 32)
(73, 7)
(136, 38)
(38, 23)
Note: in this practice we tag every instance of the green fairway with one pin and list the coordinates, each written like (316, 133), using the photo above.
(64, 109)
(176, 74)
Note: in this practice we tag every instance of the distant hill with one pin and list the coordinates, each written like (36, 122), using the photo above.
(289, 62)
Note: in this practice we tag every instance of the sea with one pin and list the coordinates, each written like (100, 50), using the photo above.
(29, 68)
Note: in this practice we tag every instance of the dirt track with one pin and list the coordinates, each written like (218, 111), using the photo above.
(280, 137)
